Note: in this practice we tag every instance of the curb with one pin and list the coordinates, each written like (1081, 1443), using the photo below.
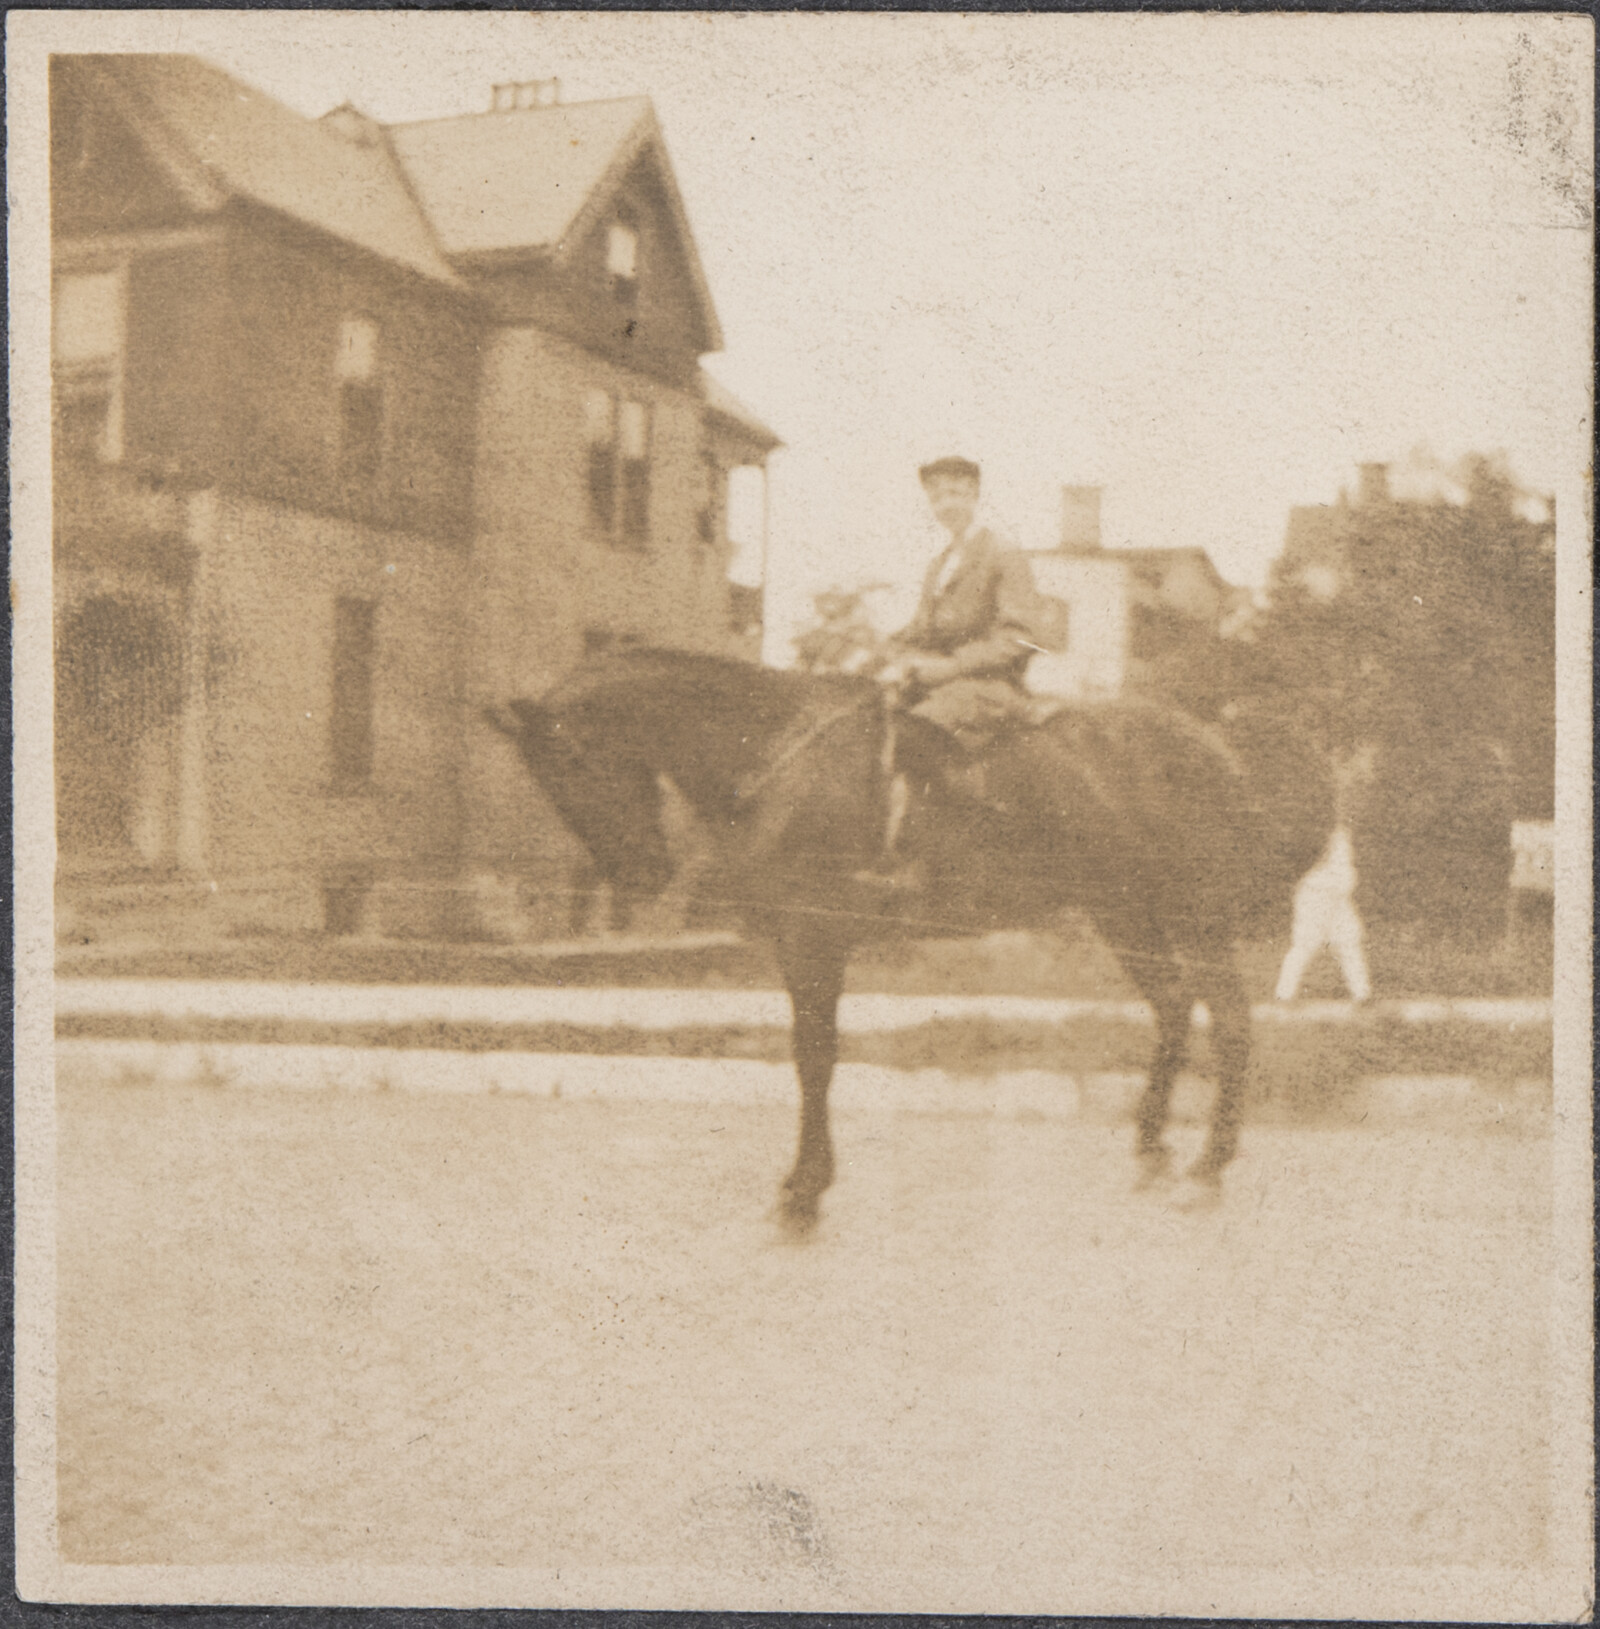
(180, 1000)
(1433, 1101)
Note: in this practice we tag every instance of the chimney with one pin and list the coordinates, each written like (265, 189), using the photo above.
(1374, 486)
(1080, 519)
(525, 93)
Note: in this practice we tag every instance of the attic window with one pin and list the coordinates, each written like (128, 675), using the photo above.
(622, 259)
(87, 345)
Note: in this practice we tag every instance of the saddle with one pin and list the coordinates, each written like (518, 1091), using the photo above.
(919, 752)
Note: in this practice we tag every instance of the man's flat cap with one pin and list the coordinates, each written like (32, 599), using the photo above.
(948, 466)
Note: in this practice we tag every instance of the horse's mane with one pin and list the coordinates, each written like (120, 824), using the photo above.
(774, 691)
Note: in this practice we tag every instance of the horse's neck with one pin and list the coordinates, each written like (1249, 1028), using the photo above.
(708, 742)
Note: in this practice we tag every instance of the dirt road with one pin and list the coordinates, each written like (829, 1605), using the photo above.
(562, 1335)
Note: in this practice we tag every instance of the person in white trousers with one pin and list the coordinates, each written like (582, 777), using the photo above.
(1325, 914)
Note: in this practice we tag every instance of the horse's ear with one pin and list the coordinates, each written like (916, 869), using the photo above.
(520, 718)
(500, 719)
(530, 716)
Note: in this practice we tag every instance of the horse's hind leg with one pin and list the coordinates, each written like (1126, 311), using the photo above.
(1149, 962)
(1224, 993)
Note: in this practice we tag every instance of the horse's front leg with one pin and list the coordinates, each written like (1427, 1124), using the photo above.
(815, 981)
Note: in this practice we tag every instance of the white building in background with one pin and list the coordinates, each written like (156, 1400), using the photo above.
(1126, 607)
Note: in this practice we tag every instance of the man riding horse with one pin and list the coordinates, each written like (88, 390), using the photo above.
(958, 665)
(1142, 818)
(960, 661)
(978, 621)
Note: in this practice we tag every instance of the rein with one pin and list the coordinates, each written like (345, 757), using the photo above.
(803, 739)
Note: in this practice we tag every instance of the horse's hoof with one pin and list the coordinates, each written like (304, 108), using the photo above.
(1155, 1169)
(798, 1214)
(1199, 1190)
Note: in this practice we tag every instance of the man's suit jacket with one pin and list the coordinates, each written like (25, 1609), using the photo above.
(980, 606)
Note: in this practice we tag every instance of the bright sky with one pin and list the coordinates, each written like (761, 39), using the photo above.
(1207, 262)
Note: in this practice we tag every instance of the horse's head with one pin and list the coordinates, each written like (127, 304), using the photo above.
(602, 786)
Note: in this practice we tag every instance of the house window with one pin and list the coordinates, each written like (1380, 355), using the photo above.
(360, 399)
(351, 720)
(622, 260)
(87, 328)
(600, 434)
(713, 496)
(617, 439)
(633, 422)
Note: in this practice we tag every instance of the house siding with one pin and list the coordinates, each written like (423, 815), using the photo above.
(178, 396)
(544, 576)
(289, 295)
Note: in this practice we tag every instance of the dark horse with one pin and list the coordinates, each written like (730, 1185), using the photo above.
(1154, 825)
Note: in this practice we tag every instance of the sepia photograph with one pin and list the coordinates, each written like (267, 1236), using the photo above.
(803, 811)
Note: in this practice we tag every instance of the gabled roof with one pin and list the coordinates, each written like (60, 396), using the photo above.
(532, 180)
(517, 179)
(245, 144)
(525, 182)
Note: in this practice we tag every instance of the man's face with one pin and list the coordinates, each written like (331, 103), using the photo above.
(953, 500)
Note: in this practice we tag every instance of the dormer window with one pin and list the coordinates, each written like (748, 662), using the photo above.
(360, 399)
(622, 259)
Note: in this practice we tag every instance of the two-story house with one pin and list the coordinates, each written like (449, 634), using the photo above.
(356, 428)
(1133, 614)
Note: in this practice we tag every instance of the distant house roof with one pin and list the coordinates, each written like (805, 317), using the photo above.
(245, 144)
(1147, 562)
(723, 404)
(1153, 563)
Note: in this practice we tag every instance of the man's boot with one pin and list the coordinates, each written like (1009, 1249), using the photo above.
(894, 874)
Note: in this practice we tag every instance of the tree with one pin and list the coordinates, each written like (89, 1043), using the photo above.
(1437, 652)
